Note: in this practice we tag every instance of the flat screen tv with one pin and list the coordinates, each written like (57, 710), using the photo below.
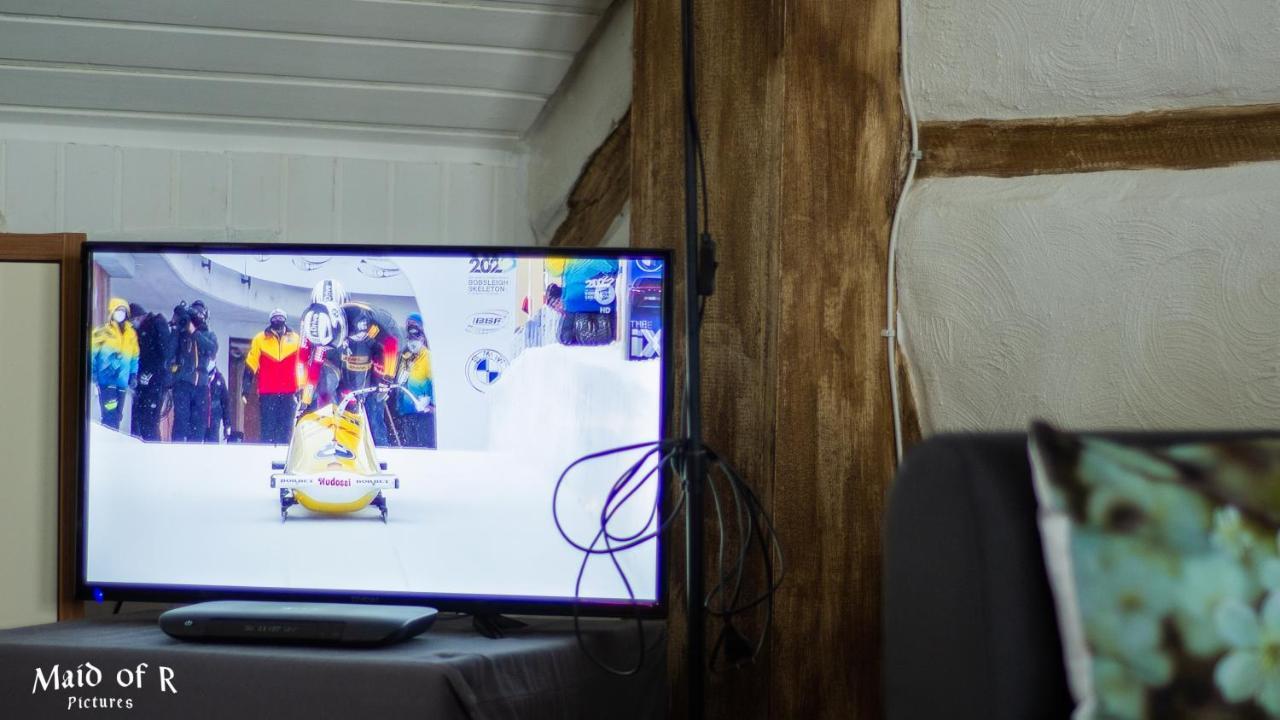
(377, 424)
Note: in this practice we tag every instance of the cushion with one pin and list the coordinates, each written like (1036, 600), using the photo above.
(1165, 571)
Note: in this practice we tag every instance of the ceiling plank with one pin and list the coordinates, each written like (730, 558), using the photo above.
(74, 125)
(258, 97)
(113, 43)
(1168, 139)
(498, 25)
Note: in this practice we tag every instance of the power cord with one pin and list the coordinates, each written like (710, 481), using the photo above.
(891, 324)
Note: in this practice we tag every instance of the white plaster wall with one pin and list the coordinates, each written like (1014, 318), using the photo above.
(1122, 299)
(1029, 58)
(29, 444)
(585, 109)
(153, 186)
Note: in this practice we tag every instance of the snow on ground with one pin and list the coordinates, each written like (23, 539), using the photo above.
(466, 523)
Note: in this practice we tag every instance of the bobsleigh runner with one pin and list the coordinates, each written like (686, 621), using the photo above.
(332, 465)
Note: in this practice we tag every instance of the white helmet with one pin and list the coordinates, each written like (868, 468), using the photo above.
(324, 324)
(329, 291)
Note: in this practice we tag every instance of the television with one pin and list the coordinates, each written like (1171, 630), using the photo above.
(373, 424)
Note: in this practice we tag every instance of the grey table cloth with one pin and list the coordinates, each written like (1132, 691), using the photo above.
(449, 672)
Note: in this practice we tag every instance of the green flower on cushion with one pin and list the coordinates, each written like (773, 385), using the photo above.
(1121, 694)
(1230, 533)
(1126, 588)
(1251, 670)
(1163, 513)
(1269, 570)
(1207, 581)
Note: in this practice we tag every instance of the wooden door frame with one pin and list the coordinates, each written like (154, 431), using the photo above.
(63, 250)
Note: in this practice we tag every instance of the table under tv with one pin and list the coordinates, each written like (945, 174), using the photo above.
(449, 672)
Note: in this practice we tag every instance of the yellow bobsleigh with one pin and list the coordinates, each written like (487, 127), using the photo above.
(332, 465)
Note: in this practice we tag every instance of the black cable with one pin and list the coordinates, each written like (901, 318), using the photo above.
(753, 522)
(612, 551)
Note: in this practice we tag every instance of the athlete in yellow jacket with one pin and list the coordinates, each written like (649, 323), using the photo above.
(114, 361)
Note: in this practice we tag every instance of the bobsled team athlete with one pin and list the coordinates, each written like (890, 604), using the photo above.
(273, 358)
(114, 358)
(154, 356)
(324, 340)
(193, 362)
(415, 410)
(373, 346)
(589, 293)
(355, 340)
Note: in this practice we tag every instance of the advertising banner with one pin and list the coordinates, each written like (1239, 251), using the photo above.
(644, 308)
(469, 314)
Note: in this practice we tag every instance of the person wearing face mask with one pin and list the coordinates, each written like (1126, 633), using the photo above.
(416, 409)
(273, 359)
(197, 349)
(154, 356)
(114, 361)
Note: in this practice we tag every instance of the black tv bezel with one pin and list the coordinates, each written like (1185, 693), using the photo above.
(472, 604)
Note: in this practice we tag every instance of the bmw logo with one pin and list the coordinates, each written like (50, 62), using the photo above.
(485, 367)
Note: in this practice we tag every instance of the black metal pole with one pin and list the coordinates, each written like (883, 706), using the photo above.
(693, 463)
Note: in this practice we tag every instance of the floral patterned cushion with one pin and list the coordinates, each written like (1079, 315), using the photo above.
(1165, 568)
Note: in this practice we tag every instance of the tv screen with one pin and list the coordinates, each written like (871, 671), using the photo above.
(370, 424)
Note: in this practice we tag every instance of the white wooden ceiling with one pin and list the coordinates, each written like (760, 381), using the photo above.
(467, 71)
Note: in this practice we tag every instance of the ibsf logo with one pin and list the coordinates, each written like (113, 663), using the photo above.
(333, 482)
(485, 367)
(483, 323)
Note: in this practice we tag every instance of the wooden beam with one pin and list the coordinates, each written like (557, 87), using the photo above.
(801, 116)
(835, 454)
(1166, 139)
(31, 248)
(70, 417)
(601, 192)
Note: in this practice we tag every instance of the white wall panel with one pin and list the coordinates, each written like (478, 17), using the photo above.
(468, 211)
(146, 188)
(418, 204)
(91, 199)
(202, 189)
(145, 192)
(31, 187)
(364, 201)
(309, 206)
(254, 194)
